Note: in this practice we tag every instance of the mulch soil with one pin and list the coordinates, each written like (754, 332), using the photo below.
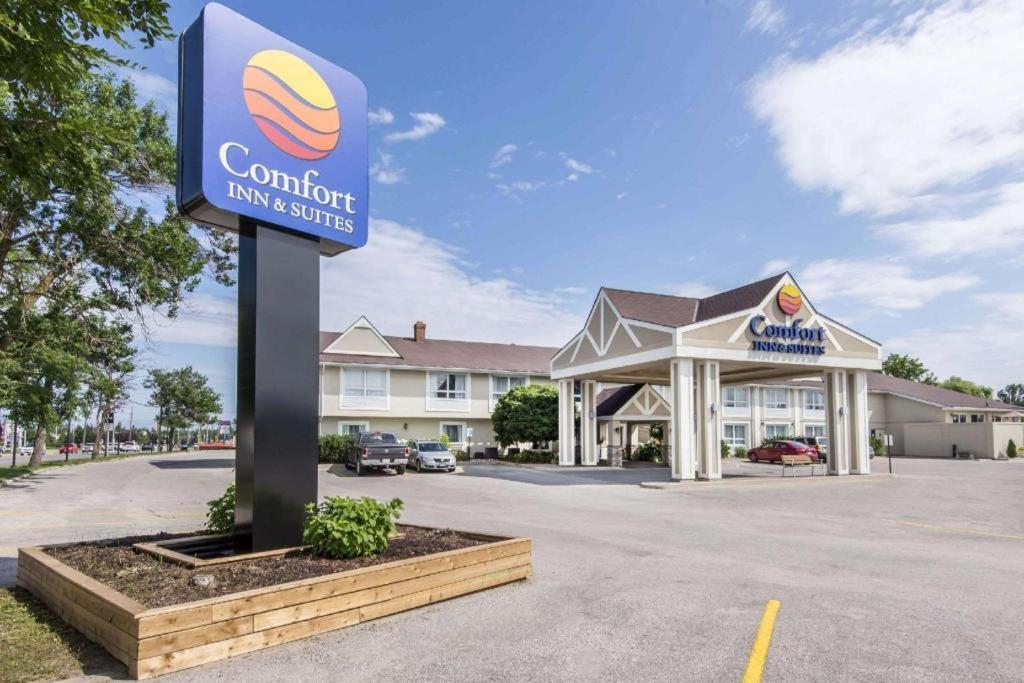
(158, 583)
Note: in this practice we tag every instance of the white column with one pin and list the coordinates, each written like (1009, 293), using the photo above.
(709, 423)
(857, 390)
(754, 397)
(838, 416)
(588, 423)
(566, 424)
(683, 457)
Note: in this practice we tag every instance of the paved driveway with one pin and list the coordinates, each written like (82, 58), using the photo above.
(912, 578)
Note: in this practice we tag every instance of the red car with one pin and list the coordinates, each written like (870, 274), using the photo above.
(772, 451)
(68, 448)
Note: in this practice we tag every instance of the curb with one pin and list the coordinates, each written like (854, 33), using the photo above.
(698, 484)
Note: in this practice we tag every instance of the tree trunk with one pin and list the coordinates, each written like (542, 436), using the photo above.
(38, 447)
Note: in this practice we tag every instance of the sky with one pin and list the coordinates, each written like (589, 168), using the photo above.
(524, 154)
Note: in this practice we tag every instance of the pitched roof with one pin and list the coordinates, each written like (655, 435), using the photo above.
(610, 400)
(676, 311)
(933, 394)
(443, 353)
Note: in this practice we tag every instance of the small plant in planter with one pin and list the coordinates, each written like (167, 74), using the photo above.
(220, 519)
(347, 527)
(1011, 449)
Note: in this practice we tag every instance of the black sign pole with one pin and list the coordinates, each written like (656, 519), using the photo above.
(278, 360)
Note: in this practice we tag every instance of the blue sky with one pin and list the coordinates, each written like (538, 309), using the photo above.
(525, 154)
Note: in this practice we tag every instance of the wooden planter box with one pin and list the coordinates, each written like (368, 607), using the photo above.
(156, 641)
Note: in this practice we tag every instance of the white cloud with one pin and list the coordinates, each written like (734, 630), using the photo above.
(427, 123)
(380, 117)
(386, 170)
(576, 168)
(1007, 306)
(621, 195)
(885, 286)
(503, 155)
(204, 319)
(519, 187)
(439, 290)
(996, 228)
(886, 119)
(765, 17)
(776, 266)
(693, 288)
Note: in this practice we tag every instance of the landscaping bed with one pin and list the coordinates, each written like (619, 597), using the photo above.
(150, 616)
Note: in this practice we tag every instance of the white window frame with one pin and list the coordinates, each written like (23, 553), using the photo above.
(462, 431)
(959, 418)
(981, 417)
(775, 405)
(786, 429)
(363, 426)
(365, 402)
(493, 380)
(457, 405)
(817, 428)
(734, 402)
(733, 441)
(814, 407)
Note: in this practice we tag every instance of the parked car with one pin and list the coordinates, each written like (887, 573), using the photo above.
(377, 451)
(772, 451)
(68, 448)
(431, 455)
(818, 443)
(148, 447)
(129, 447)
(87, 448)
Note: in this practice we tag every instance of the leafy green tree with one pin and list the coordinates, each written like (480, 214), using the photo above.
(905, 366)
(1013, 394)
(954, 383)
(526, 414)
(182, 398)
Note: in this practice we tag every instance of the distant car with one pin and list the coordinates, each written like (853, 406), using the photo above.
(25, 450)
(377, 451)
(818, 443)
(68, 448)
(129, 447)
(147, 447)
(431, 455)
(87, 448)
(772, 451)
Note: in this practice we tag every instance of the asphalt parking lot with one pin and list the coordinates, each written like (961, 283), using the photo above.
(916, 577)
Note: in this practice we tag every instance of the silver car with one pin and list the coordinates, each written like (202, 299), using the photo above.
(431, 455)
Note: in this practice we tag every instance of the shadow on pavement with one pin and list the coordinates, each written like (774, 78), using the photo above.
(8, 570)
(195, 463)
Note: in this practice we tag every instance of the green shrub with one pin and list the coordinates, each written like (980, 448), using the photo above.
(878, 445)
(739, 452)
(725, 449)
(334, 446)
(221, 516)
(461, 455)
(445, 440)
(531, 457)
(649, 451)
(343, 527)
(1011, 449)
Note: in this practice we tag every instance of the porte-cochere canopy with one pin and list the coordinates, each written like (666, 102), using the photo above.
(760, 331)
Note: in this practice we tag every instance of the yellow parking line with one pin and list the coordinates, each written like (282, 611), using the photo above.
(759, 652)
(957, 530)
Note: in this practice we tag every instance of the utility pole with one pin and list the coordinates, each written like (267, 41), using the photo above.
(14, 445)
(131, 420)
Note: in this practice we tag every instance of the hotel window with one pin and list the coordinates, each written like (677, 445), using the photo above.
(365, 383)
(775, 432)
(734, 434)
(959, 417)
(776, 399)
(814, 400)
(453, 431)
(814, 430)
(997, 418)
(448, 385)
(353, 428)
(975, 417)
(735, 397)
(501, 384)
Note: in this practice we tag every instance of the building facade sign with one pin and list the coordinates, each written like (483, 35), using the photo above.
(793, 338)
(270, 132)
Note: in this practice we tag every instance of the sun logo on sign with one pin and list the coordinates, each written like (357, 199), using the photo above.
(790, 299)
(291, 104)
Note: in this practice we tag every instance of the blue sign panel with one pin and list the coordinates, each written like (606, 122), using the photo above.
(270, 132)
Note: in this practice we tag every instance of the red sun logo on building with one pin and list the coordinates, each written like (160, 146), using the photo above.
(291, 104)
(790, 299)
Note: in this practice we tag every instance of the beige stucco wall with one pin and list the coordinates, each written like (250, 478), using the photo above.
(984, 439)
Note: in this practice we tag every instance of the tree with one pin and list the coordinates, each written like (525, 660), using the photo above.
(1013, 394)
(954, 383)
(182, 397)
(526, 414)
(905, 366)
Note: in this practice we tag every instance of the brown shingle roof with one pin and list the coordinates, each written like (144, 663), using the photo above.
(932, 394)
(610, 400)
(443, 353)
(676, 311)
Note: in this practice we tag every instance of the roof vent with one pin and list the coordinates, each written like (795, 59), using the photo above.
(419, 331)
